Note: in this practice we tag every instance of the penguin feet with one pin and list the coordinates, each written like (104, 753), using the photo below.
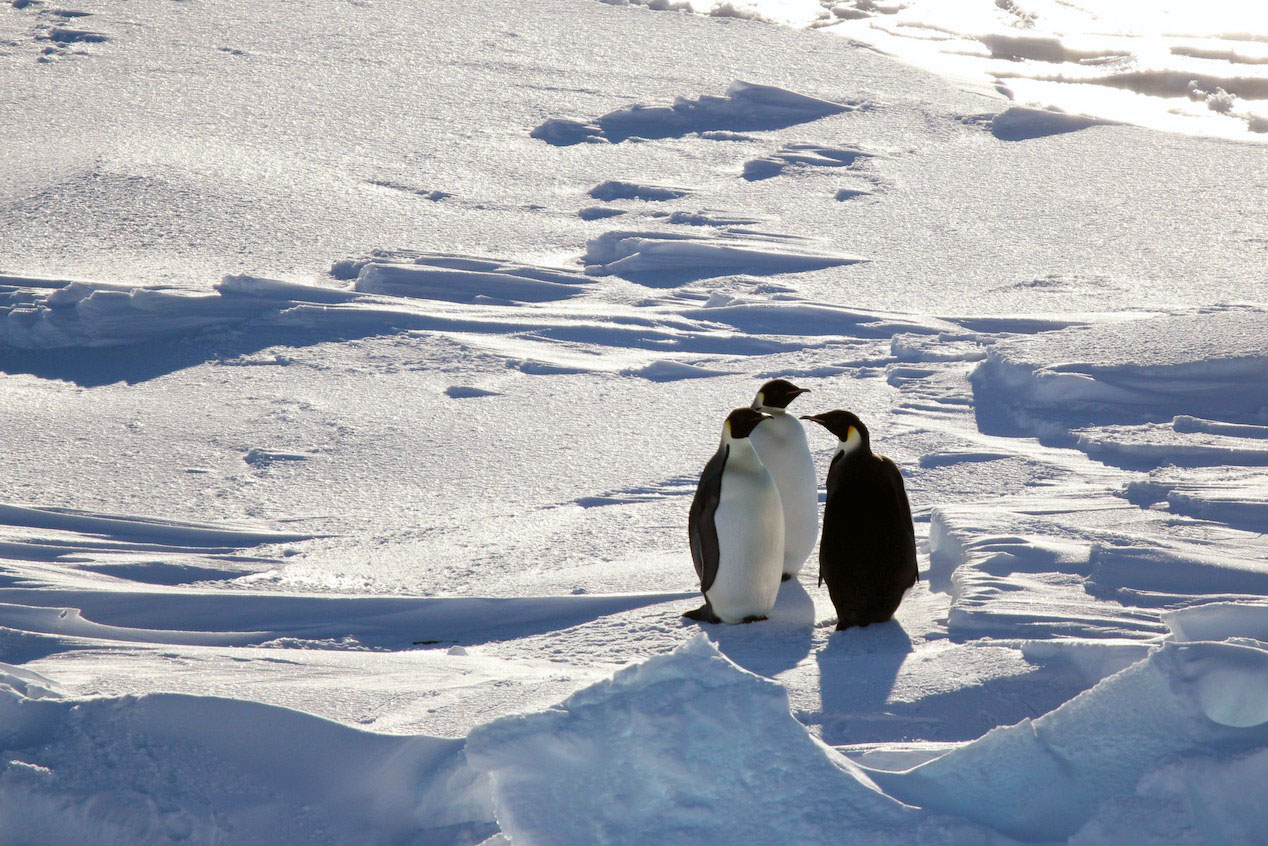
(754, 618)
(703, 614)
(785, 577)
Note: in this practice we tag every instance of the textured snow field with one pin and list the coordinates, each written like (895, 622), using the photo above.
(358, 362)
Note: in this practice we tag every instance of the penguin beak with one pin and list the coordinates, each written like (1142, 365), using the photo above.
(801, 391)
(811, 417)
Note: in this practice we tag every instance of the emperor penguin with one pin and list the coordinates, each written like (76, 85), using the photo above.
(868, 551)
(736, 526)
(781, 444)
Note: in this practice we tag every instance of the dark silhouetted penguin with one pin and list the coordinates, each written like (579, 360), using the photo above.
(736, 525)
(781, 444)
(868, 551)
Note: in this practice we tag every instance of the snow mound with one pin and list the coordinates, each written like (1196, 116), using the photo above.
(1044, 779)
(614, 189)
(85, 314)
(802, 156)
(172, 768)
(711, 217)
(682, 748)
(1021, 124)
(664, 370)
(44, 314)
(745, 106)
(441, 276)
(660, 259)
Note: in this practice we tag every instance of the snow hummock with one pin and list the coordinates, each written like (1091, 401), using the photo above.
(167, 768)
(1043, 779)
(745, 106)
(682, 748)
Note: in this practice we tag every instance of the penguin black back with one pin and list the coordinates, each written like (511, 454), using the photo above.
(867, 553)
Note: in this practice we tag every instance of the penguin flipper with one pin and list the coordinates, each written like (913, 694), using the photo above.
(703, 614)
(700, 520)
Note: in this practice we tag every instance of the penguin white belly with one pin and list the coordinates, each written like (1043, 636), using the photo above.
(781, 444)
(750, 526)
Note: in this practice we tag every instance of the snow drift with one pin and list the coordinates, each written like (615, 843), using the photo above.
(683, 748)
(167, 768)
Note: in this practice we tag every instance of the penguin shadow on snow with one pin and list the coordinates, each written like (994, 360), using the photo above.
(771, 646)
(857, 671)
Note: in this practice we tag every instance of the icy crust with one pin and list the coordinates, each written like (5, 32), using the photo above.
(682, 748)
(1208, 365)
(1044, 779)
(168, 768)
(744, 107)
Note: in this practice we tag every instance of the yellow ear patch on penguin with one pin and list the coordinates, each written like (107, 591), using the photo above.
(727, 426)
(851, 434)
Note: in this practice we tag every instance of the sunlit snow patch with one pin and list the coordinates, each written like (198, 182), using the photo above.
(683, 748)
(744, 107)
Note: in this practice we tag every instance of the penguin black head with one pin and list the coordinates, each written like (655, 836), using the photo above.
(777, 393)
(846, 425)
(741, 422)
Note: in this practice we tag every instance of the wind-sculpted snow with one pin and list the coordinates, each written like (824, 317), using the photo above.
(1211, 365)
(240, 618)
(1044, 779)
(41, 314)
(665, 259)
(142, 529)
(1237, 497)
(421, 281)
(614, 189)
(799, 156)
(683, 748)
(168, 768)
(745, 106)
(1021, 124)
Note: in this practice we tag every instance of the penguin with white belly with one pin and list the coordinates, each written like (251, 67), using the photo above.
(781, 444)
(736, 524)
(868, 551)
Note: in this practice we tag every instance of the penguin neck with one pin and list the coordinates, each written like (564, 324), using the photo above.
(771, 410)
(851, 445)
(741, 453)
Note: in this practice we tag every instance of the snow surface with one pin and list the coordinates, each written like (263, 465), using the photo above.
(353, 407)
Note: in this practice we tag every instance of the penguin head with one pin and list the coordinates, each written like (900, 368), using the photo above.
(741, 422)
(846, 425)
(776, 394)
